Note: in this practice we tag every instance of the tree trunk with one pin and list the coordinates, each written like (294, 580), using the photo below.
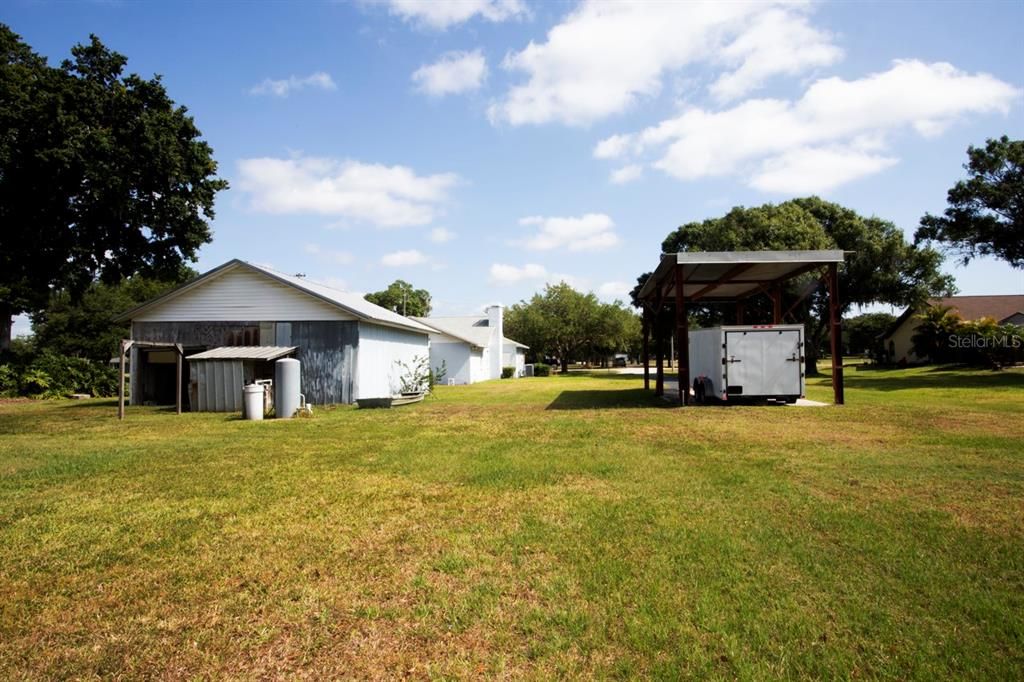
(5, 327)
(564, 360)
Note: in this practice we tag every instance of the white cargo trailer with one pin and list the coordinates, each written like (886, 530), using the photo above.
(748, 362)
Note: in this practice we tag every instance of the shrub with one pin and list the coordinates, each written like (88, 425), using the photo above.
(541, 370)
(8, 381)
(507, 372)
(52, 375)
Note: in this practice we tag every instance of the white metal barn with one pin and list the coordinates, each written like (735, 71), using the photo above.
(349, 348)
(473, 348)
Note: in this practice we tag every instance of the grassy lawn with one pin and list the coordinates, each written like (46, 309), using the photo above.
(538, 527)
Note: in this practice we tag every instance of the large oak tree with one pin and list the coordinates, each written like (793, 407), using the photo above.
(985, 215)
(102, 176)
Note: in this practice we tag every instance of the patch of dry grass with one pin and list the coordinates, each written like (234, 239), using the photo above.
(569, 526)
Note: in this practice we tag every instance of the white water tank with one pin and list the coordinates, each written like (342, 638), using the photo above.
(252, 402)
(287, 387)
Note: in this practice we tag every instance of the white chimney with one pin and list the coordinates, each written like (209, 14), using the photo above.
(496, 322)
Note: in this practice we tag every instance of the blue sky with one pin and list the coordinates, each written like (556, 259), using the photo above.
(481, 148)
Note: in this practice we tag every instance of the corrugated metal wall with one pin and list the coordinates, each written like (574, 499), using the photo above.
(327, 351)
(216, 385)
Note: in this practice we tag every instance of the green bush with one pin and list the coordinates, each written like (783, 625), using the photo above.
(541, 370)
(8, 381)
(507, 372)
(51, 375)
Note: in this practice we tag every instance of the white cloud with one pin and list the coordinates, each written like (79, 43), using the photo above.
(807, 170)
(283, 88)
(621, 176)
(612, 147)
(510, 274)
(440, 235)
(386, 196)
(441, 14)
(453, 73)
(605, 56)
(329, 255)
(839, 130)
(615, 289)
(589, 232)
(403, 258)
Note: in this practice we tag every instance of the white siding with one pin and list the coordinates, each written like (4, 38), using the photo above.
(242, 295)
(456, 357)
(514, 356)
(377, 375)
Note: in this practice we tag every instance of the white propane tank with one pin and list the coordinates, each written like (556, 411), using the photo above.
(287, 386)
(252, 402)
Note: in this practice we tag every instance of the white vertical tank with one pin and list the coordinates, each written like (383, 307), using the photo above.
(287, 387)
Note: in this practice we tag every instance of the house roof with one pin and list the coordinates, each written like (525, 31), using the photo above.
(731, 274)
(473, 330)
(999, 307)
(353, 304)
(244, 353)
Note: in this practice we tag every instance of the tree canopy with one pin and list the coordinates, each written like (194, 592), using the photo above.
(402, 298)
(84, 327)
(569, 325)
(102, 176)
(985, 215)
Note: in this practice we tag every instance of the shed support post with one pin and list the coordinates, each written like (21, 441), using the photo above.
(835, 333)
(646, 324)
(776, 294)
(125, 346)
(741, 310)
(659, 346)
(683, 336)
(179, 353)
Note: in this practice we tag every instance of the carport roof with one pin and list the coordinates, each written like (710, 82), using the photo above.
(244, 353)
(732, 275)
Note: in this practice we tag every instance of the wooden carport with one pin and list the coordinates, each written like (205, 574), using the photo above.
(126, 345)
(685, 278)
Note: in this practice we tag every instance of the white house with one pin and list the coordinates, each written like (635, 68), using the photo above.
(473, 348)
(349, 348)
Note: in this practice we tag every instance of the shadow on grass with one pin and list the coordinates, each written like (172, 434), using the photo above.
(596, 400)
(885, 379)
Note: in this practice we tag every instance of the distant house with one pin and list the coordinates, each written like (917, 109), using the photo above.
(473, 348)
(1004, 309)
(349, 348)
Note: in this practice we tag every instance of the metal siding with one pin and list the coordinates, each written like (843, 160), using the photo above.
(218, 385)
(379, 349)
(327, 351)
(242, 294)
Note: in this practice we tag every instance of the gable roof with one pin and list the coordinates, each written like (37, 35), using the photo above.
(353, 304)
(999, 307)
(473, 330)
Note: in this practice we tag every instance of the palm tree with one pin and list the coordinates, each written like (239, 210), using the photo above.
(931, 339)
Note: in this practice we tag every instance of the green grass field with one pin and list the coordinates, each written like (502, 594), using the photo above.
(566, 526)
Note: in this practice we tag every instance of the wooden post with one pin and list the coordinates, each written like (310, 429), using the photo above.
(179, 353)
(741, 310)
(683, 342)
(659, 352)
(646, 325)
(120, 385)
(776, 294)
(835, 333)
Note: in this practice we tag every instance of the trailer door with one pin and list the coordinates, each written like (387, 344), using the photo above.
(764, 362)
